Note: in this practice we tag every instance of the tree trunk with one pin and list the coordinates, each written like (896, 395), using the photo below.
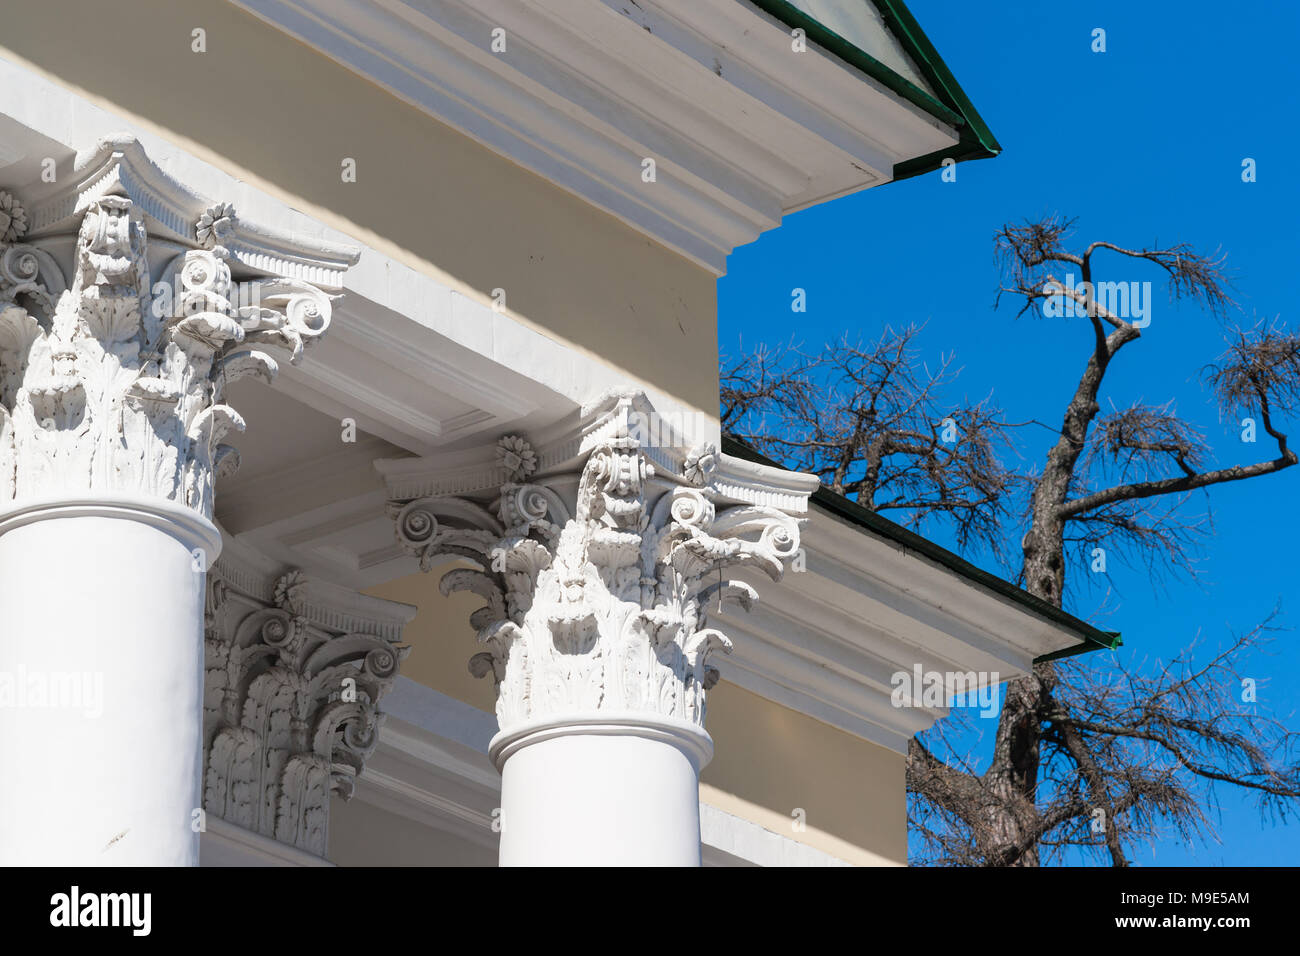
(1013, 775)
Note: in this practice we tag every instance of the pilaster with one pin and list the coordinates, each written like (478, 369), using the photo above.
(295, 670)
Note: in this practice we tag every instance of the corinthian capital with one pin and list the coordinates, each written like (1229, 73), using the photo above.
(294, 672)
(116, 352)
(600, 569)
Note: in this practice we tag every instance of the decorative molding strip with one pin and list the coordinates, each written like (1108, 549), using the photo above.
(741, 129)
(224, 844)
(118, 166)
(664, 439)
(295, 670)
(729, 840)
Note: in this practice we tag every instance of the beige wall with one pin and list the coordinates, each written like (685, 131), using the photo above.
(442, 642)
(272, 112)
(769, 760)
(362, 834)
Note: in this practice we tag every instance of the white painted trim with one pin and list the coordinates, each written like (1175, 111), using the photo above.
(742, 129)
(730, 840)
(827, 642)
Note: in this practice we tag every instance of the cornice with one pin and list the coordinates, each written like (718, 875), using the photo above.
(117, 165)
(665, 440)
(254, 574)
(741, 128)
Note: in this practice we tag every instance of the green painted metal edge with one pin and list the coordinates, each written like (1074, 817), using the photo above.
(1093, 638)
(1086, 647)
(951, 105)
(977, 140)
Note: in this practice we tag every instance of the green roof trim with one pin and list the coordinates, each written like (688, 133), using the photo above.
(1093, 638)
(949, 105)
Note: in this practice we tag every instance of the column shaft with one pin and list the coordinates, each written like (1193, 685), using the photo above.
(101, 649)
(587, 793)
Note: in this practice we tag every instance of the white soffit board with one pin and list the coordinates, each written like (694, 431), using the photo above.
(829, 641)
(742, 128)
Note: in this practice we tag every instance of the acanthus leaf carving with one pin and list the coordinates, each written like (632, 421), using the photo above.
(114, 384)
(291, 704)
(13, 218)
(598, 586)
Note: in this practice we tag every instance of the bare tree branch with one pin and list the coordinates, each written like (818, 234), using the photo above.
(1087, 756)
(870, 421)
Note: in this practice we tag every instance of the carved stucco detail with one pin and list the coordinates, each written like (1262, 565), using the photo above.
(290, 708)
(216, 226)
(598, 589)
(112, 383)
(516, 457)
(13, 218)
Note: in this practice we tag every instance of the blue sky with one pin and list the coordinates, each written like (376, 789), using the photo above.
(1143, 143)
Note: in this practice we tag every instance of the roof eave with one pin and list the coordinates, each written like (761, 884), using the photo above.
(950, 104)
(1093, 638)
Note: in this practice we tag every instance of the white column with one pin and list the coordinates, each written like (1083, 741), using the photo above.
(600, 557)
(111, 421)
(582, 792)
(101, 634)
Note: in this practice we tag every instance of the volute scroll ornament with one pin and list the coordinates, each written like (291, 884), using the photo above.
(291, 699)
(112, 382)
(598, 582)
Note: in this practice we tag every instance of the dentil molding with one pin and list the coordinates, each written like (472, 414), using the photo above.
(127, 307)
(600, 557)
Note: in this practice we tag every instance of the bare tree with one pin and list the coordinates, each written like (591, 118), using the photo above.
(1085, 755)
(1124, 757)
(868, 420)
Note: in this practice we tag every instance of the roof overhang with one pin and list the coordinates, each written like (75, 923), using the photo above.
(742, 127)
(877, 601)
(833, 640)
(882, 39)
